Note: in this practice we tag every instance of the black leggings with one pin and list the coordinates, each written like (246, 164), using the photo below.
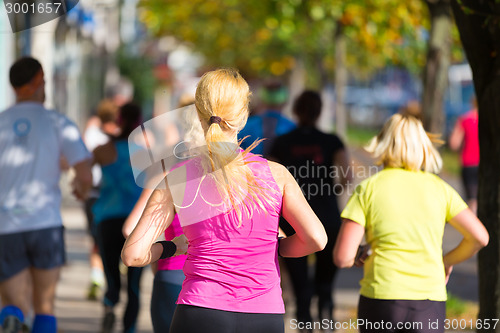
(110, 241)
(322, 286)
(470, 179)
(409, 316)
(194, 319)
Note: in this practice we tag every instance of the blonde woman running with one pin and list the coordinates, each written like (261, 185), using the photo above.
(402, 211)
(229, 202)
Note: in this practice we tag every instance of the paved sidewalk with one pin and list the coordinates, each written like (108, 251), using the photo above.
(74, 312)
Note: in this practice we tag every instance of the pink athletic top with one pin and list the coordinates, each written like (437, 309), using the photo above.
(470, 149)
(177, 262)
(230, 267)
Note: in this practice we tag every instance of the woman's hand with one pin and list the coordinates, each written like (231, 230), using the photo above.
(78, 190)
(181, 242)
(364, 251)
(447, 273)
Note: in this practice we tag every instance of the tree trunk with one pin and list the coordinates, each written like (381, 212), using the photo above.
(326, 121)
(436, 68)
(297, 84)
(481, 41)
(340, 81)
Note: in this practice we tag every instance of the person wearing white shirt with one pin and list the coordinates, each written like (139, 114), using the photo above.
(32, 142)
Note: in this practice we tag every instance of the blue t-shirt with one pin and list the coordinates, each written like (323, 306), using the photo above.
(119, 192)
(268, 125)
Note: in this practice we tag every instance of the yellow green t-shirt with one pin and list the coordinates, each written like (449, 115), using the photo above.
(404, 214)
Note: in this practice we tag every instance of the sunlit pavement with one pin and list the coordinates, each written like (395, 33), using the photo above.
(75, 313)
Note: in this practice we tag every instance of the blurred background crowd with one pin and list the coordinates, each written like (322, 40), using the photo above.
(368, 58)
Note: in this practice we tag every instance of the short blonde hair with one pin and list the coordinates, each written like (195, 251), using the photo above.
(403, 143)
(107, 111)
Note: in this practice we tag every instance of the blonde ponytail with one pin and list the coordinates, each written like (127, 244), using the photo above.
(221, 100)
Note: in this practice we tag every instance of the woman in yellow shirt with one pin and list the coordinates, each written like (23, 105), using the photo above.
(402, 211)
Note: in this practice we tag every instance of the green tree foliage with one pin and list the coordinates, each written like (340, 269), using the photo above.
(139, 70)
(268, 37)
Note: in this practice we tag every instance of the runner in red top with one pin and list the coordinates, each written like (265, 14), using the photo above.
(465, 137)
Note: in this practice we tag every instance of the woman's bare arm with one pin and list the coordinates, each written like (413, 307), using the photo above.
(135, 214)
(104, 154)
(310, 235)
(475, 237)
(347, 244)
(456, 137)
(139, 249)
